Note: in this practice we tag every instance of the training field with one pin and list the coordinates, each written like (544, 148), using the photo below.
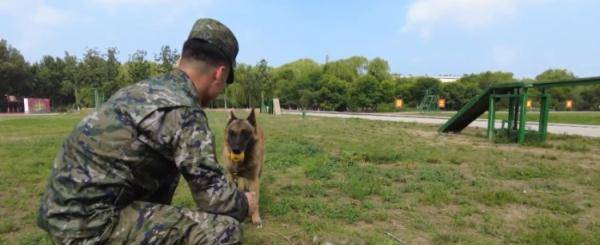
(355, 181)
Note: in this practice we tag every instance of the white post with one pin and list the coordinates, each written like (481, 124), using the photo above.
(26, 105)
(276, 107)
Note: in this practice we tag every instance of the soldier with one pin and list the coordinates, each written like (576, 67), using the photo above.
(115, 175)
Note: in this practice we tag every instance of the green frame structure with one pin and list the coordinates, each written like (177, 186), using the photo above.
(517, 94)
(429, 102)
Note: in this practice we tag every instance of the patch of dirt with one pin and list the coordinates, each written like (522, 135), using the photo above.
(420, 240)
(423, 133)
(585, 160)
(513, 214)
(588, 163)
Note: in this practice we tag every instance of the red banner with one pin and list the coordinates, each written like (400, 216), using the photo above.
(33, 105)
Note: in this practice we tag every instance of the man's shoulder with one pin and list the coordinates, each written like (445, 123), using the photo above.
(146, 96)
(164, 88)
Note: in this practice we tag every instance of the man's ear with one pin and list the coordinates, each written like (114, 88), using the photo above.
(231, 117)
(220, 72)
(251, 118)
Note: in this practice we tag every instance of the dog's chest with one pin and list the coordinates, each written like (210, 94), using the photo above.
(243, 169)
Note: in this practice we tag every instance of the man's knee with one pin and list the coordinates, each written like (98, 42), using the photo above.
(230, 231)
(216, 229)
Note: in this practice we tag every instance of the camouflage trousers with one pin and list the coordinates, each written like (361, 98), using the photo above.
(151, 223)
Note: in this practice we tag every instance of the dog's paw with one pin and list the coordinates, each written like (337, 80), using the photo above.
(257, 222)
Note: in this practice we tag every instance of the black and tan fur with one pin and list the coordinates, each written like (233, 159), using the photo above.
(243, 154)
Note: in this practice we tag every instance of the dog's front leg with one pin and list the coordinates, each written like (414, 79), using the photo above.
(254, 186)
(229, 176)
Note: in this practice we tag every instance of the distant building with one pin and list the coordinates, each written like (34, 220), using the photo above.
(442, 78)
(447, 78)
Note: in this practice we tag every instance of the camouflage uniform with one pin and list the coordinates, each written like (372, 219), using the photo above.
(117, 171)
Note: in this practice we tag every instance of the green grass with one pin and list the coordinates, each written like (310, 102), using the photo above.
(362, 182)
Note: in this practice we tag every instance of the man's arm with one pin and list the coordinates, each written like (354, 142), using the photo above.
(182, 134)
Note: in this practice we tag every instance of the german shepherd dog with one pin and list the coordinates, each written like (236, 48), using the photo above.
(243, 152)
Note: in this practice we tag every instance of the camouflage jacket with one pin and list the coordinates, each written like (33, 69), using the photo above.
(134, 148)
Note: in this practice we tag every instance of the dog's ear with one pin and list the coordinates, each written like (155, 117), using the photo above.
(231, 117)
(251, 118)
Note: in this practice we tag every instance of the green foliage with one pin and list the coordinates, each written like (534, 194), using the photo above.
(166, 59)
(14, 72)
(351, 84)
(332, 95)
(347, 69)
(485, 79)
(364, 93)
(457, 94)
(554, 75)
(379, 68)
(139, 67)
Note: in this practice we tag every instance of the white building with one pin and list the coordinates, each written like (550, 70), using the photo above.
(442, 78)
(447, 78)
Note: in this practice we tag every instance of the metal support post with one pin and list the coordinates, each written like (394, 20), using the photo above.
(522, 116)
(543, 125)
(511, 112)
(491, 119)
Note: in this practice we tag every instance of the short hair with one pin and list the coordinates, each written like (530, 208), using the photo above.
(200, 50)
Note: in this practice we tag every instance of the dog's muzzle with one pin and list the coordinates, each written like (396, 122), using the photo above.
(236, 157)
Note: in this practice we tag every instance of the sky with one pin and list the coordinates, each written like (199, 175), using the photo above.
(419, 37)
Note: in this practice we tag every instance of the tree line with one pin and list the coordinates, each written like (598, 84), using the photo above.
(352, 84)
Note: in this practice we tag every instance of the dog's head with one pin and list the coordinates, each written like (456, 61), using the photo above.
(240, 135)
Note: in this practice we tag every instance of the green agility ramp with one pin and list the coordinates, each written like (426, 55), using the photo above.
(476, 107)
(517, 94)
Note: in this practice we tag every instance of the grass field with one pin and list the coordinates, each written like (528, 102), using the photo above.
(364, 182)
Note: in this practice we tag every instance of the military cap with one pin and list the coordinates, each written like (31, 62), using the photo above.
(217, 34)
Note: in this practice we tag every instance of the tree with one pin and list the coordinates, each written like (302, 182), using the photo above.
(47, 79)
(387, 89)
(561, 94)
(166, 59)
(92, 69)
(379, 68)
(488, 78)
(298, 70)
(308, 99)
(112, 69)
(347, 69)
(90, 76)
(138, 67)
(364, 93)
(14, 71)
(332, 95)
(264, 84)
(420, 87)
(457, 94)
(554, 75)
(246, 79)
(354, 83)
(403, 90)
(590, 98)
(296, 82)
(236, 95)
(70, 82)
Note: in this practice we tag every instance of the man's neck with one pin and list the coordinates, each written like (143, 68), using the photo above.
(194, 78)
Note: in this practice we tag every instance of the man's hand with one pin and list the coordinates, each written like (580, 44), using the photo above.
(252, 205)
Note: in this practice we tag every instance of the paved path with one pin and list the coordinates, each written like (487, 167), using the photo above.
(554, 128)
(27, 114)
